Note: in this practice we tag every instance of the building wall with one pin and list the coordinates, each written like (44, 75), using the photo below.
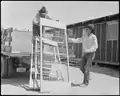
(108, 41)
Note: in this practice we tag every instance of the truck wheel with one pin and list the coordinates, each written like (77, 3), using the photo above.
(3, 67)
(10, 67)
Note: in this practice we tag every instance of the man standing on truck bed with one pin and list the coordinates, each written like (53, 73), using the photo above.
(36, 21)
(90, 44)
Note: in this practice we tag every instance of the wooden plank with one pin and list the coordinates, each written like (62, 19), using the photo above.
(47, 65)
(58, 37)
(41, 58)
(51, 23)
(76, 34)
(8, 39)
(97, 39)
(103, 40)
(75, 48)
(48, 57)
(109, 48)
(71, 44)
(9, 30)
(48, 53)
(58, 32)
(36, 60)
(77, 45)
(5, 53)
(112, 30)
(114, 51)
(8, 49)
(106, 62)
(31, 64)
(100, 39)
(70, 33)
(45, 68)
(117, 51)
(47, 41)
(106, 42)
(62, 50)
(45, 76)
(97, 57)
(80, 44)
(68, 74)
(19, 54)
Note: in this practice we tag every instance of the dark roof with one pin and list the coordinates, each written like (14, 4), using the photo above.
(96, 20)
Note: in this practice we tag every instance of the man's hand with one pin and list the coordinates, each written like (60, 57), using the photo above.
(68, 39)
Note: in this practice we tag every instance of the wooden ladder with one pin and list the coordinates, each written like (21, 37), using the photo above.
(34, 82)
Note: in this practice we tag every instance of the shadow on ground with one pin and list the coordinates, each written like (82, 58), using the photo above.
(19, 80)
(110, 70)
(106, 69)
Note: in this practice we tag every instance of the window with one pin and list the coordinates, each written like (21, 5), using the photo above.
(112, 30)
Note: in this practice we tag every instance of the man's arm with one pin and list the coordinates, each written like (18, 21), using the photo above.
(47, 17)
(94, 46)
(78, 40)
(36, 19)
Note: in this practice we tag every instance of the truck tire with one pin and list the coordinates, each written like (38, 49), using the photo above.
(10, 67)
(3, 67)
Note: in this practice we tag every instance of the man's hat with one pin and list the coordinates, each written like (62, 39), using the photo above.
(41, 9)
(91, 26)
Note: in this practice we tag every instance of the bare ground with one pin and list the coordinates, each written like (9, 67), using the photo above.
(105, 81)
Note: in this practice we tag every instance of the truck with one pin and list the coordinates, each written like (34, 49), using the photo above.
(15, 51)
(16, 48)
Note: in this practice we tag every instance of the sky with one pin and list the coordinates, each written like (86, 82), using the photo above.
(19, 14)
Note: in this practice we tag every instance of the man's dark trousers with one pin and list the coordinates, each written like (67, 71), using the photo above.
(86, 64)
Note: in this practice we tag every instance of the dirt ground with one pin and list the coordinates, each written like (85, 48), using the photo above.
(105, 81)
